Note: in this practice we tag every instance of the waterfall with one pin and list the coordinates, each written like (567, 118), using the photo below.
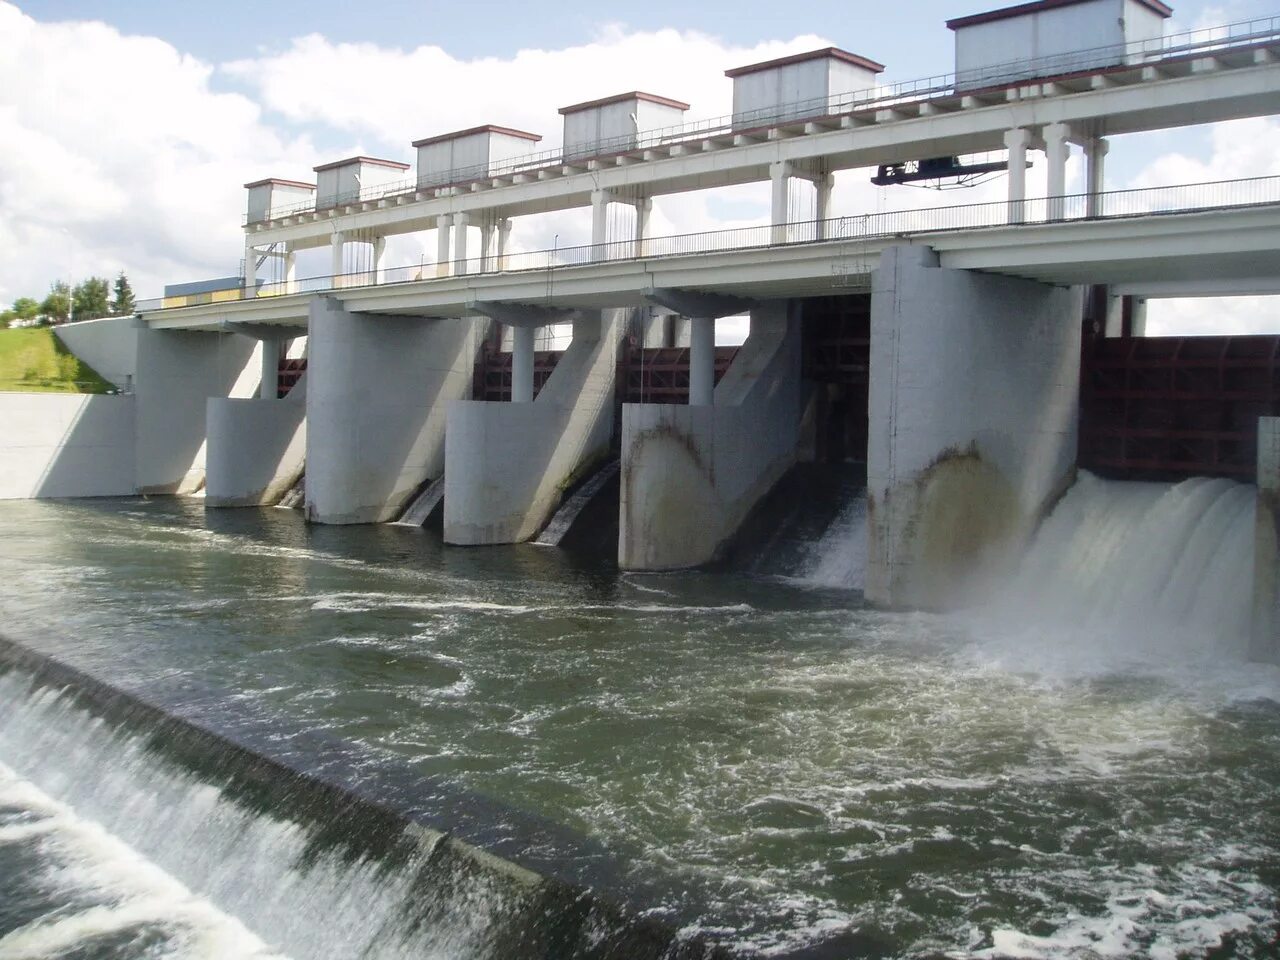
(133, 826)
(296, 495)
(1140, 569)
(423, 505)
(838, 558)
(569, 510)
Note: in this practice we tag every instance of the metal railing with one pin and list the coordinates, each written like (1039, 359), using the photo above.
(1176, 46)
(863, 228)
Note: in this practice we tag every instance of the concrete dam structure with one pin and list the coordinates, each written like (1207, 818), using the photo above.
(940, 347)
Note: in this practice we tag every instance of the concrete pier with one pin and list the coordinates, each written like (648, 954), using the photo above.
(177, 373)
(973, 418)
(1264, 644)
(377, 393)
(508, 464)
(690, 474)
(256, 449)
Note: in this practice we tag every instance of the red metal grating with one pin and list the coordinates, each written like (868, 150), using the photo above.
(661, 374)
(1174, 407)
(290, 372)
(493, 373)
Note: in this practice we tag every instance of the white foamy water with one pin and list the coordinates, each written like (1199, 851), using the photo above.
(838, 558)
(100, 887)
(1140, 572)
(146, 835)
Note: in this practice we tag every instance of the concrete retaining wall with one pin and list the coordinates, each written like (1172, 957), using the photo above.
(1264, 644)
(256, 450)
(508, 464)
(177, 373)
(66, 445)
(973, 414)
(378, 389)
(691, 474)
(109, 345)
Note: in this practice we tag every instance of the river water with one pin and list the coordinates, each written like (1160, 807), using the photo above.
(1071, 770)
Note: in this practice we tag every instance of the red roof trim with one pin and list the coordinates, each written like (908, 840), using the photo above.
(394, 164)
(1035, 7)
(834, 53)
(278, 182)
(486, 128)
(619, 98)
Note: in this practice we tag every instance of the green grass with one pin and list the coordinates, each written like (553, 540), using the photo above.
(32, 359)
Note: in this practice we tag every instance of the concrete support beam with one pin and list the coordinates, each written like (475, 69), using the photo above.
(522, 364)
(290, 276)
(822, 211)
(509, 463)
(504, 242)
(269, 385)
(780, 186)
(461, 222)
(1095, 156)
(337, 247)
(250, 269)
(379, 259)
(444, 245)
(1016, 142)
(644, 211)
(1264, 644)
(1057, 139)
(973, 416)
(377, 394)
(691, 474)
(693, 303)
(702, 362)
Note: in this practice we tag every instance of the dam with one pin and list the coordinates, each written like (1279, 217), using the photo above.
(500, 606)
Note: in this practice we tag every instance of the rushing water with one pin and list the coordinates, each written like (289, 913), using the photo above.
(783, 766)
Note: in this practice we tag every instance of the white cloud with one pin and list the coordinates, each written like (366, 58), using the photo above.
(118, 155)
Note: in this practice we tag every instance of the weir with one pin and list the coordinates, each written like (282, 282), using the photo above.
(330, 865)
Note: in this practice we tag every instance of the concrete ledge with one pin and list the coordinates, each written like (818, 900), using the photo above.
(66, 445)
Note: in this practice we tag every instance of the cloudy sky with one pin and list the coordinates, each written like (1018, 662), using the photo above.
(129, 128)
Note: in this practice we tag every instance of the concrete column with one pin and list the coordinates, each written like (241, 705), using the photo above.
(1057, 148)
(460, 223)
(290, 270)
(1015, 142)
(444, 235)
(823, 185)
(702, 362)
(1264, 644)
(974, 394)
(379, 257)
(522, 364)
(488, 238)
(504, 241)
(1095, 155)
(378, 390)
(599, 222)
(337, 243)
(644, 208)
(780, 179)
(250, 271)
(269, 386)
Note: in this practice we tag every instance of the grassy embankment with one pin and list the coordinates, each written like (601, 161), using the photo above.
(33, 360)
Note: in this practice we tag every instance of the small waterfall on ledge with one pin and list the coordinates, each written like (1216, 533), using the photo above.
(295, 497)
(838, 558)
(423, 505)
(1141, 569)
(569, 511)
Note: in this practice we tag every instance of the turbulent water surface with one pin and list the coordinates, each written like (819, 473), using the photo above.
(1084, 767)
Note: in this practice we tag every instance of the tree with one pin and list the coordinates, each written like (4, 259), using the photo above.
(57, 305)
(91, 299)
(122, 305)
(7, 317)
(25, 308)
